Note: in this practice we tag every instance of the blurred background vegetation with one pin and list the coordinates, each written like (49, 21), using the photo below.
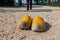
(55, 3)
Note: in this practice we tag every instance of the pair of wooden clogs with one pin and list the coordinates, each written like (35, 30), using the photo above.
(37, 24)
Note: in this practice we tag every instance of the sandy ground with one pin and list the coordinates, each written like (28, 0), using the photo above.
(10, 31)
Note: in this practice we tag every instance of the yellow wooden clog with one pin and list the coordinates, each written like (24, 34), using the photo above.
(38, 24)
(24, 22)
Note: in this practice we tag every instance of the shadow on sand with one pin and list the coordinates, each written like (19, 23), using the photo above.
(35, 10)
(24, 6)
(41, 10)
(48, 26)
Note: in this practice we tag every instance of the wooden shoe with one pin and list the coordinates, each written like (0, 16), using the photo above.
(24, 22)
(38, 24)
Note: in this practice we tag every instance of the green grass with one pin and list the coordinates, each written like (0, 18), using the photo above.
(54, 5)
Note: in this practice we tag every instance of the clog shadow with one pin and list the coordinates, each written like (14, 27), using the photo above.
(48, 26)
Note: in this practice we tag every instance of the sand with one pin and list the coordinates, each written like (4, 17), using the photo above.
(10, 31)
